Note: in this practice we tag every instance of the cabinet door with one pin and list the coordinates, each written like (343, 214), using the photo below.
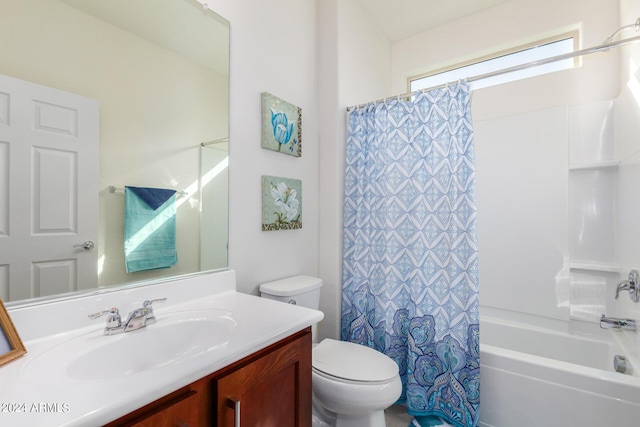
(272, 390)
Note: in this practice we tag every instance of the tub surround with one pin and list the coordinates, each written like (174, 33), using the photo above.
(53, 397)
(629, 342)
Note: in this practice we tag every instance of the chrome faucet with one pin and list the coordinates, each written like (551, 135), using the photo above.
(617, 323)
(630, 285)
(137, 319)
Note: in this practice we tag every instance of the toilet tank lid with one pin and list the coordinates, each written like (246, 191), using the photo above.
(291, 286)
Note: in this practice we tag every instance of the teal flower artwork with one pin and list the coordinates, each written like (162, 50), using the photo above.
(281, 126)
(281, 203)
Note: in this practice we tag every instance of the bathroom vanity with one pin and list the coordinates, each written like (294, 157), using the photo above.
(269, 387)
(213, 354)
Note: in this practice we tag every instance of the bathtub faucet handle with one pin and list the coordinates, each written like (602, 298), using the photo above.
(630, 285)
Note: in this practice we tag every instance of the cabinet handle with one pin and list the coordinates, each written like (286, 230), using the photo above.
(235, 404)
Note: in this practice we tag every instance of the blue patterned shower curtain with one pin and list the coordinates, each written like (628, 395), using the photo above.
(410, 266)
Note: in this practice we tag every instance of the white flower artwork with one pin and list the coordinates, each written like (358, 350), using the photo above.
(281, 203)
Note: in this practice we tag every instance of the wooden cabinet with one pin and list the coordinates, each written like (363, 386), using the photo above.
(186, 407)
(271, 387)
(274, 389)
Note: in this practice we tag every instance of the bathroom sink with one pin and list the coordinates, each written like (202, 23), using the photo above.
(175, 338)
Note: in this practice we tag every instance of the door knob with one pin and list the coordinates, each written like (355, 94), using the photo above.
(87, 246)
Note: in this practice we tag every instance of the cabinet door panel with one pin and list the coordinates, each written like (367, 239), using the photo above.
(183, 408)
(183, 413)
(274, 390)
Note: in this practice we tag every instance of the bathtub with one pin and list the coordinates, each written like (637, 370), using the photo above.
(537, 377)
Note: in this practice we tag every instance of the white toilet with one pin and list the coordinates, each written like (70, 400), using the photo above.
(352, 384)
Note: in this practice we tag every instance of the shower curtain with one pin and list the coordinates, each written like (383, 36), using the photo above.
(410, 266)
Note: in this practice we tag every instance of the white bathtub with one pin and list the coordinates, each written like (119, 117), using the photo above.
(536, 377)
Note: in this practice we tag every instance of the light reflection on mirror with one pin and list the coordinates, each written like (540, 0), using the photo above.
(214, 161)
(159, 71)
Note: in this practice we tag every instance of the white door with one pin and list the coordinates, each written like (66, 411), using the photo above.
(48, 190)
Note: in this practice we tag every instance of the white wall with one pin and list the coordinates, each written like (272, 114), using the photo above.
(322, 56)
(332, 140)
(354, 66)
(273, 49)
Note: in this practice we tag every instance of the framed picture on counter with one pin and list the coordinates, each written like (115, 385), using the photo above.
(11, 345)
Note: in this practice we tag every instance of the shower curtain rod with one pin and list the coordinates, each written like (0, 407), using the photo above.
(577, 53)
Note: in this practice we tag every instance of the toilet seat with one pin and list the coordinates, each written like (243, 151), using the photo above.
(351, 362)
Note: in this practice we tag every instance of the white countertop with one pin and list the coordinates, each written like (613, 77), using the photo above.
(31, 396)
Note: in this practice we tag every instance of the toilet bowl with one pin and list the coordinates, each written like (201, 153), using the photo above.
(352, 384)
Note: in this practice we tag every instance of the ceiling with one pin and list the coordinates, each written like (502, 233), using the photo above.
(182, 26)
(400, 19)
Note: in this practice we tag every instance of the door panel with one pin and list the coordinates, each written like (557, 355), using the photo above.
(48, 189)
(54, 202)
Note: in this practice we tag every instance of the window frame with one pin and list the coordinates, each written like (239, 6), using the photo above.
(574, 35)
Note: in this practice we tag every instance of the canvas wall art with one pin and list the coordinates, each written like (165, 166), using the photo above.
(281, 126)
(281, 203)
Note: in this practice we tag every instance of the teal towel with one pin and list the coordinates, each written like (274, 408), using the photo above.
(149, 234)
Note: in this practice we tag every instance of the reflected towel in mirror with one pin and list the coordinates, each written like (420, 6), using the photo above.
(149, 228)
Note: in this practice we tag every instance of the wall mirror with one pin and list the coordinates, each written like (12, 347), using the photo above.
(11, 345)
(142, 90)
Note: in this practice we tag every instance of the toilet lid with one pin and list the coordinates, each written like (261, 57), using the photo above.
(352, 361)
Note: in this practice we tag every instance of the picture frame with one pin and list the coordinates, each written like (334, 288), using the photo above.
(281, 125)
(11, 346)
(281, 203)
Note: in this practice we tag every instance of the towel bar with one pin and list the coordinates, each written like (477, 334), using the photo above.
(114, 189)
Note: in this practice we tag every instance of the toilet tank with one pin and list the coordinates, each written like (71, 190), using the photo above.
(299, 290)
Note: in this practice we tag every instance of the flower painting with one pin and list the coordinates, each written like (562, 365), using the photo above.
(281, 203)
(281, 126)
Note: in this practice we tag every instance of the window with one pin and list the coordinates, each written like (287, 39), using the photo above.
(522, 55)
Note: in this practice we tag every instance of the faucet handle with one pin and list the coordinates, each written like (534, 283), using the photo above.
(114, 322)
(631, 285)
(148, 302)
(112, 310)
(622, 286)
(151, 317)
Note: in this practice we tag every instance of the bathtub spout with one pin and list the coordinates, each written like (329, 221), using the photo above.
(617, 323)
